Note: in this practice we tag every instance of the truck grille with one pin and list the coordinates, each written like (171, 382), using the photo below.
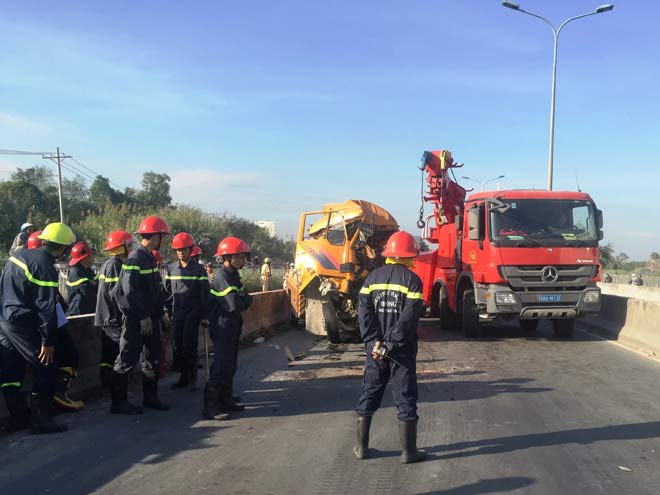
(544, 277)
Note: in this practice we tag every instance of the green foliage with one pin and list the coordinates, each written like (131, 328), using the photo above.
(39, 176)
(155, 190)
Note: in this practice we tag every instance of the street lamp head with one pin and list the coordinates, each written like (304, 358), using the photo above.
(604, 8)
(500, 177)
(511, 5)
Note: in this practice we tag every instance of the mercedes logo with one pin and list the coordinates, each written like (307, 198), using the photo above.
(549, 274)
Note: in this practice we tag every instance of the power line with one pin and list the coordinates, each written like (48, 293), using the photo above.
(71, 167)
(95, 172)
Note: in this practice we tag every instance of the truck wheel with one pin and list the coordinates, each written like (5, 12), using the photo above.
(330, 323)
(528, 326)
(471, 327)
(447, 316)
(563, 329)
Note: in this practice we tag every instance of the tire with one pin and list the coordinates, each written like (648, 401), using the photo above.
(447, 316)
(528, 326)
(563, 329)
(470, 320)
(330, 323)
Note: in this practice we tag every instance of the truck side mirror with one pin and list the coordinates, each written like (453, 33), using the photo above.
(599, 224)
(474, 223)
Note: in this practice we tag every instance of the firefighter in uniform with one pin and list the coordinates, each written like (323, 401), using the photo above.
(81, 283)
(139, 297)
(108, 317)
(228, 299)
(28, 328)
(389, 308)
(187, 285)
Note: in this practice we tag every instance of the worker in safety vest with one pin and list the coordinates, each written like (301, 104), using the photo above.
(29, 328)
(390, 306)
(108, 317)
(187, 284)
(139, 297)
(228, 299)
(265, 275)
(81, 282)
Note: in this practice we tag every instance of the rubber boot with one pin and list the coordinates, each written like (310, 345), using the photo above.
(61, 397)
(408, 437)
(184, 379)
(119, 390)
(150, 394)
(41, 415)
(361, 449)
(19, 413)
(227, 403)
(212, 404)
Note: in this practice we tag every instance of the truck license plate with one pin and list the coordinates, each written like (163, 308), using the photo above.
(549, 298)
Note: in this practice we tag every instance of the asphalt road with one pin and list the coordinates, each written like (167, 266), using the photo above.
(510, 413)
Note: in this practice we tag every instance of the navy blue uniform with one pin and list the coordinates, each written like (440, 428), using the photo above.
(81, 288)
(228, 299)
(188, 290)
(28, 318)
(139, 296)
(108, 316)
(390, 305)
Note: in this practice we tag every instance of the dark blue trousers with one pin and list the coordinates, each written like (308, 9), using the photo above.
(133, 347)
(377, 374)
(225, 354)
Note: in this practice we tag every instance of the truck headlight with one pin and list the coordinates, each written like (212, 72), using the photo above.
(591, 297)
(505, 299)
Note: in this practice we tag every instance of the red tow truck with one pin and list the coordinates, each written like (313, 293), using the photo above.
(522, 255)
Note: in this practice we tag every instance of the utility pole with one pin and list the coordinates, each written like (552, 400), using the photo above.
(57, 158)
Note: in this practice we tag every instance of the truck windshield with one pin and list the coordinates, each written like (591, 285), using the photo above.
(544, 222)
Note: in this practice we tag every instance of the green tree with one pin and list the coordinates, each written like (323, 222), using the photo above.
(155, 191)
(21, 201)
(607, 256)
(654, 256)
(39, 176)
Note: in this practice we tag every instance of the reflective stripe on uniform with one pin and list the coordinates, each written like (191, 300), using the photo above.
(77, 282)
(391, 287)
(11, 384)
(106, 365)
(43, 283)
(138, 269)
(184, 277)
(109, 279)
(231, 288)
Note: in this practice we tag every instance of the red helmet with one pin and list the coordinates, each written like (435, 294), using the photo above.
(182, 240)
(157, 256)
(116, 239)
(153, 225)
(196, 250)
(79, 252)
(401, 245)
(232, 245)
(33, 242)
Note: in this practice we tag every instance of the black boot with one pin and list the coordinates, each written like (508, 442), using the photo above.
(106, 378)
(61, 396)
(227, 402)
(212, 404)
(119, 390)
(41, 415)
(19, 413)
(150, 394)
(192, 376)
(361, 449)
(184, 379)
(408, 437)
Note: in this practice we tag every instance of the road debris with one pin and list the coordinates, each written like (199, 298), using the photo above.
(625, 469)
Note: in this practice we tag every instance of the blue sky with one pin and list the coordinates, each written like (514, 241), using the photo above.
(268, 108)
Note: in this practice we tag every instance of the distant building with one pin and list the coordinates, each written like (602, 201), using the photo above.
(268, 225)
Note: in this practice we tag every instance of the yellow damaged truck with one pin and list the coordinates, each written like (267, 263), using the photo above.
(336, 249)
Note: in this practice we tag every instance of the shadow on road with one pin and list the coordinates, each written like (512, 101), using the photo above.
(496, 485)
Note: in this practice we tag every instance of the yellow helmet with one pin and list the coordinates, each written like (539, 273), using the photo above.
(58, 233)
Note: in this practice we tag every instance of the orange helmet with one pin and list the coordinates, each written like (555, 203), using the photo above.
(401, 245)
(153, 225)
(116, 239)
(196, 250)
(79, 252)
(182, 240)
(157, 256)
(232, 245)
(33, 241)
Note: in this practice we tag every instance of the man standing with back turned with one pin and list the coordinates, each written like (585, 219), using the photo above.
(389, 309)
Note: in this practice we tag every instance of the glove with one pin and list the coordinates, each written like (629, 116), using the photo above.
(146, 327)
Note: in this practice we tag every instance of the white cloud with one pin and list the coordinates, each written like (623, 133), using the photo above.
(19, 123)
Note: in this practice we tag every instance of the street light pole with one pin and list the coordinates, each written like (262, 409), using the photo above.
(555, 32)
(483, 182)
